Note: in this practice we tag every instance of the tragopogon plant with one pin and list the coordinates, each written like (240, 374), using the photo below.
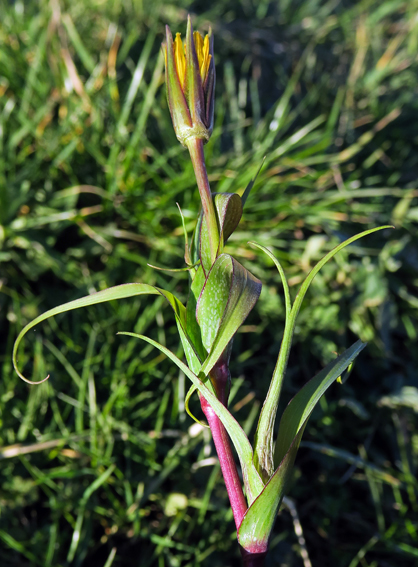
(222, 294)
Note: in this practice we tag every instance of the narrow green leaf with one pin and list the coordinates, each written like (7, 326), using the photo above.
(110, 294)
(195, 243)
(192, 356)
(259, 519)
(253, 483)
(85, 57)
(83, 502)
(309, 278)
(250, 185)
(171, 270)
(301, 406)
(263, 446)
(288, 302)
(189, 394)
(186, 240)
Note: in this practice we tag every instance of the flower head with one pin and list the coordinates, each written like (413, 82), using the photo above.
(190, 79)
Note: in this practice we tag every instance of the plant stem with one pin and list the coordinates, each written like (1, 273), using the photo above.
(220, 378)
(195, 147)
(227, 462)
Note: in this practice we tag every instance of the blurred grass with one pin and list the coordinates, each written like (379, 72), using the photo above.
(101, 465)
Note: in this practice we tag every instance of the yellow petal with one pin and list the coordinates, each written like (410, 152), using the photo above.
(205, 61)
(198, 43)
(202, 52)
(179, 58)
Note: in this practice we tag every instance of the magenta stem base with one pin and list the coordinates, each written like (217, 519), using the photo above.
(227, 462)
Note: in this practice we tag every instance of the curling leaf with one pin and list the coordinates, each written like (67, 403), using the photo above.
(110, 294)
(287, 300)
(189, 394)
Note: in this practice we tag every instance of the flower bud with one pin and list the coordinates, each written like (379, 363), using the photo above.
(190, 79)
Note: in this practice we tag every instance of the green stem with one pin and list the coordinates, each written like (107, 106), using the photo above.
(195, 147)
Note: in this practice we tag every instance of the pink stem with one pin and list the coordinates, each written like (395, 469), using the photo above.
(226, 460)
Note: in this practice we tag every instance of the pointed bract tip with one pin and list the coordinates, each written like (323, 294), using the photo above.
(168, 34)
(189, 31)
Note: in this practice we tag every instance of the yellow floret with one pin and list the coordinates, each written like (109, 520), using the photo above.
(179, 58)
(202, 52)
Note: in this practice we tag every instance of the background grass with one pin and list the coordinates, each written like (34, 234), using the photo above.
(101, 465)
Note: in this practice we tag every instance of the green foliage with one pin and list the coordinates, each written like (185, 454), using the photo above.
(110, 294)
(238, 293)
(259, 520)
(90, 172)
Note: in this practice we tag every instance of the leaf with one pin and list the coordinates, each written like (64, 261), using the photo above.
(213, 300)
(228, 208)
(309, 278)
(173, 270)
(252, 480)
(259, 519)
(250, 185)
(263, 446)
(301, 406)
(189, 394)
(288, 302)
(192, 326)
(229, 211)
(229, 294)
(193, 359)
(110, 294)
(255, 529)
(186, 240)
(195, 243)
